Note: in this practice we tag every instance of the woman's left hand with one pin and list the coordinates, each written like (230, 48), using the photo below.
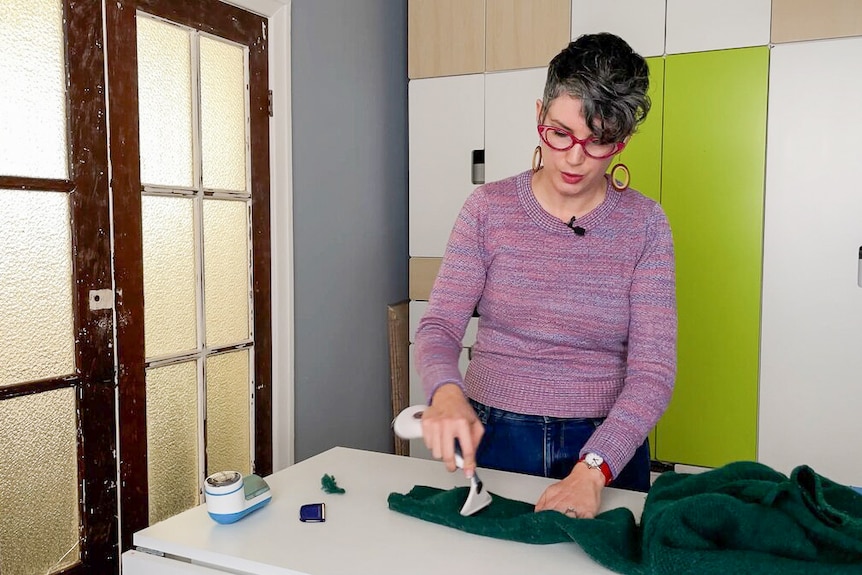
(578, 495)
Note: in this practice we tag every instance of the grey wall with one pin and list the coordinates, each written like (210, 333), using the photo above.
(349, 114)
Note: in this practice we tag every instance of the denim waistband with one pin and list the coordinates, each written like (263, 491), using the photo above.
(486, 413)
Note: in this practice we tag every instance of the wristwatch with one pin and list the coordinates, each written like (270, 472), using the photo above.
(595, 461)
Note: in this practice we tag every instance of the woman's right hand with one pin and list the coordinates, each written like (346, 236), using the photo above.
(449, 417)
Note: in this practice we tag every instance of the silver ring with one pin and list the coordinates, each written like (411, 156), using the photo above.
(569, 510)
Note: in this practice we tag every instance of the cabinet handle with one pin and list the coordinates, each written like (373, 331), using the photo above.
(478, 167)
(859, 271)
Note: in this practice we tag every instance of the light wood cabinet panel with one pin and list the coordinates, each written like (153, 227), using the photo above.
(446, 117)
(638, 22)
(794, 20)
(811, 350)
(712, 191)
(445, 37)
(422, 273)
(510, 121)
(525, 33)
(701, 25)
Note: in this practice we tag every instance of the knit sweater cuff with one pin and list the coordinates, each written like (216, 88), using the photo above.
(441, 384)
(435, 377)
(615, 457)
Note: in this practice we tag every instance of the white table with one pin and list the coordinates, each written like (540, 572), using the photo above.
(361, 534)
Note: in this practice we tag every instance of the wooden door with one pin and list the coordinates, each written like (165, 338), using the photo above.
(195, 394)
(58, 490)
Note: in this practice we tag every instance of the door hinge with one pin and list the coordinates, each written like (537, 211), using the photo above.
(269, 102)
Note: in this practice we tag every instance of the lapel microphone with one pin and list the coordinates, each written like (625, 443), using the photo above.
(579, 231)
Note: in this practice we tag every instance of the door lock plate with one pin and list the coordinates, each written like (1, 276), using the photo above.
(101, 299)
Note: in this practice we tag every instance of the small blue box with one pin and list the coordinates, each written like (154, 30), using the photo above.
(312, 513)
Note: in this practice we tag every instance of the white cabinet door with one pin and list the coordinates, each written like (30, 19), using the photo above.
(510, 120)
(701, 25)
(417, 397)
(446, 125)
(811, 356)
(638, 22)
(417, 310)
(138, 563)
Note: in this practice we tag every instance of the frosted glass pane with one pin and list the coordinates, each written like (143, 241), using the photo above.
(228, 413)
(33, 89)
(226, 269)
(36, 331)
(223, 117)
(170, 285)
(172, 440)
(165, 103)
(39, 483)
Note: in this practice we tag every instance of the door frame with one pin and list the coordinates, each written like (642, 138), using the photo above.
(281, 193)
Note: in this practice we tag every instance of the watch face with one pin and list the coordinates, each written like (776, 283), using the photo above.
(593, 460)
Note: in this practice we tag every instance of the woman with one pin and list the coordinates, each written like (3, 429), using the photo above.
(573, 277)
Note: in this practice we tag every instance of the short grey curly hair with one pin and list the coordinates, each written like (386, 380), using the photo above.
(608, 77)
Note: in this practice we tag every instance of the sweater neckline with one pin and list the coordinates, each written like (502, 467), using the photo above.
(551, 223)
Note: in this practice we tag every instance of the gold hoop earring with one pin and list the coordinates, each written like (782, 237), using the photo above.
(620, 185)
(537, 159)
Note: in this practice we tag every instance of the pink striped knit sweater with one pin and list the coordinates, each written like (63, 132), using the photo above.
(570, 326)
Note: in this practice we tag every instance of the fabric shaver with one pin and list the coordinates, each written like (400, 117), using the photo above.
(230, 496)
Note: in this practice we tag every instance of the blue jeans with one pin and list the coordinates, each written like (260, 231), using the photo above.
(547, 446)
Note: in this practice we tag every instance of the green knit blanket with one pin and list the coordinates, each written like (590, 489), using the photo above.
(741, 518)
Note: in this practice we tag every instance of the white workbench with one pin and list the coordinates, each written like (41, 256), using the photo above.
(361, 534)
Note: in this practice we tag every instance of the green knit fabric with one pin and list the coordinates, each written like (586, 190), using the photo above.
(741, 518)
(328, 484)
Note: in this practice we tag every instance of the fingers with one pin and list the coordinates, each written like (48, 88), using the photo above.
(578, 514)
(469, 444)
(542, 503)
(572, 498)
(448, 420)
(551, 500)
(444, 436)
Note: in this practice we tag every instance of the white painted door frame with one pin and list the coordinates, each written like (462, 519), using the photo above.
(281, 198)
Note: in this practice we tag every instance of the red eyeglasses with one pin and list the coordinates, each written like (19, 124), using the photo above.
(561, 140)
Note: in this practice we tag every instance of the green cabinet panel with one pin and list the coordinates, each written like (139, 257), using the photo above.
(712, 186)
(652, 439)
(642, 155)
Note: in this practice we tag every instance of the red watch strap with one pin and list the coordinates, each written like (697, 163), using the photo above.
(605, 469)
